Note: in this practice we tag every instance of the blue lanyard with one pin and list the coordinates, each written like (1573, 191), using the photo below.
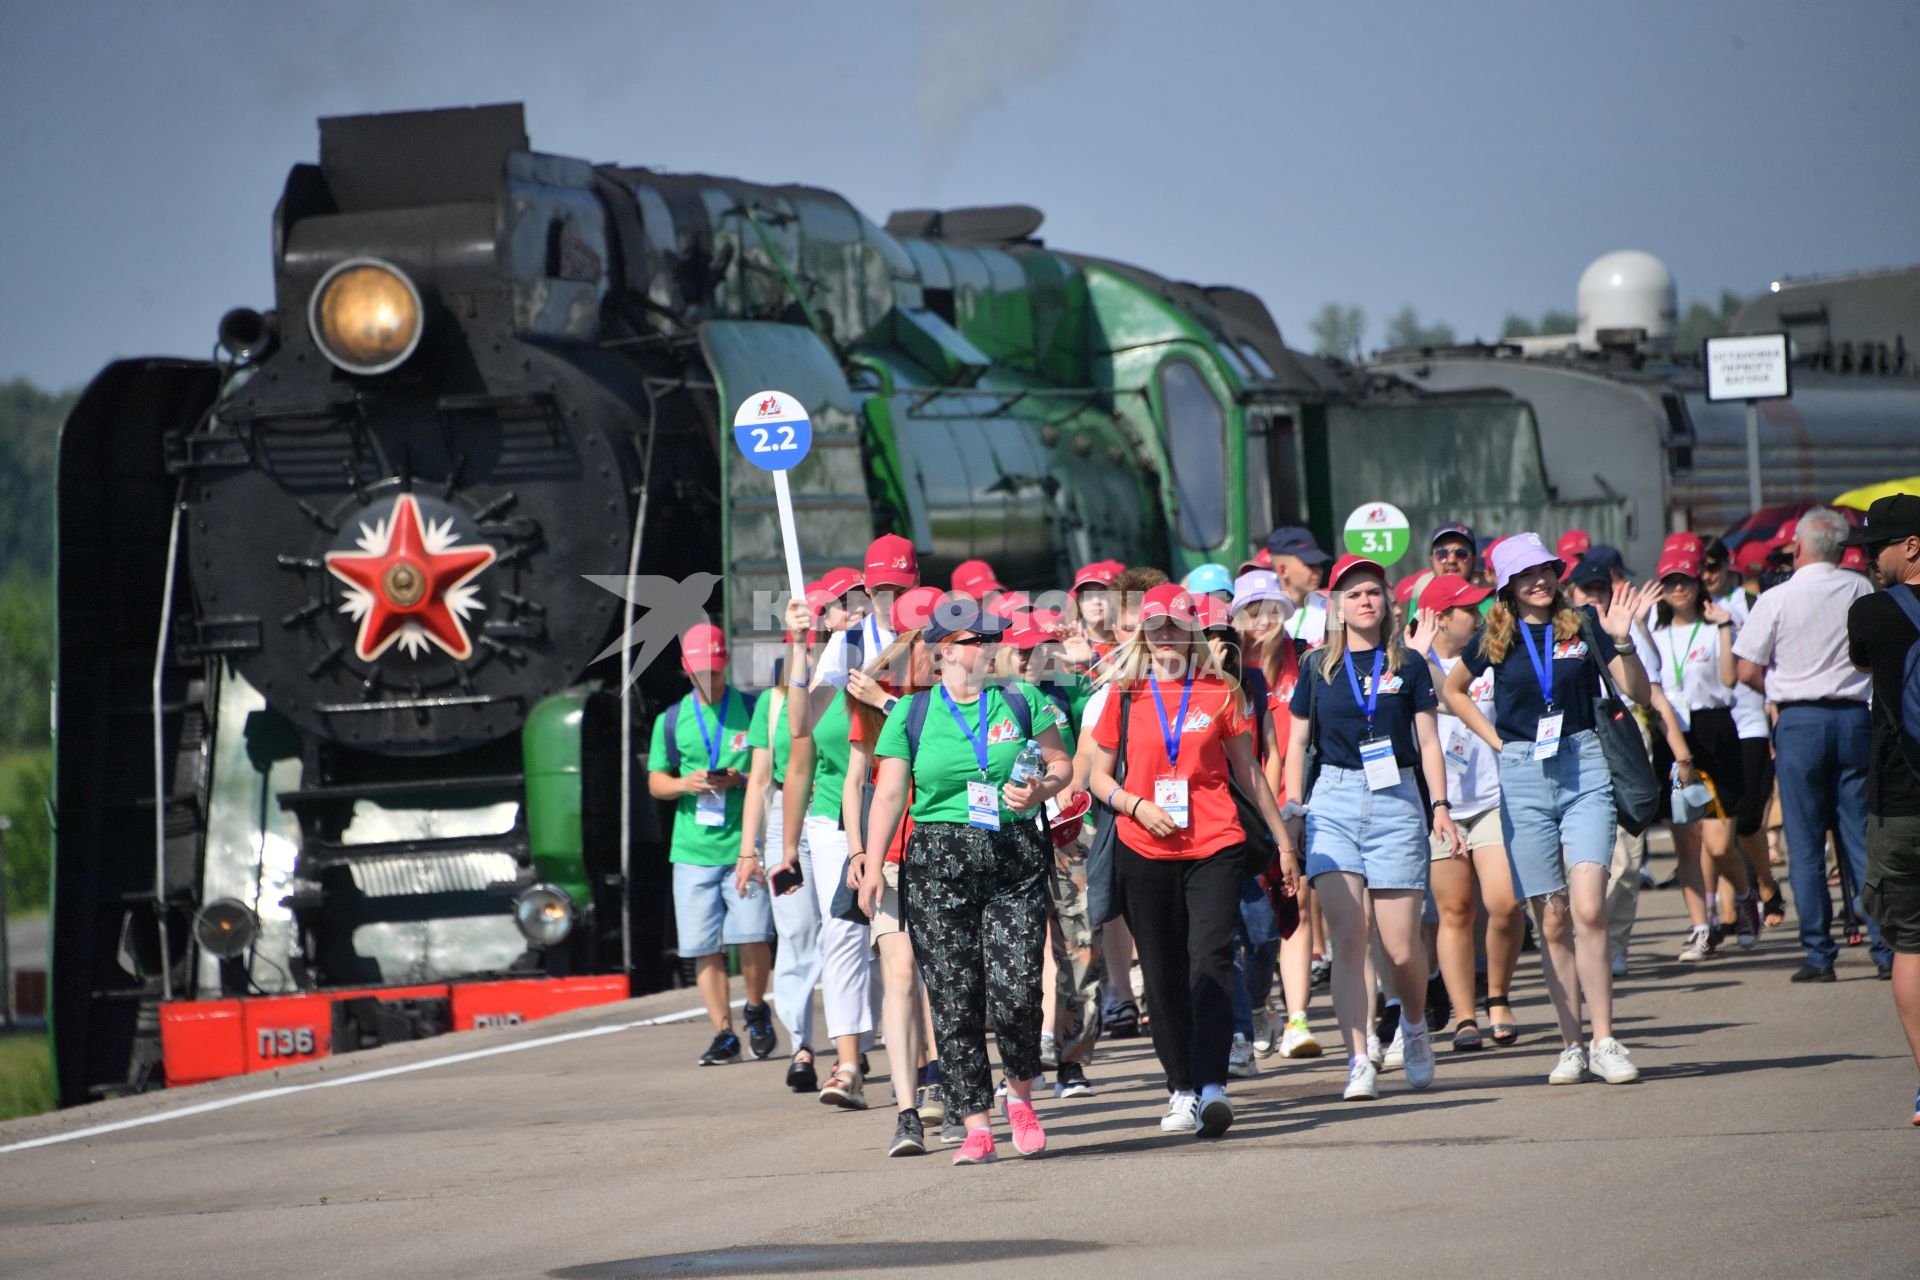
(713, 739)
(978, 742)
(1170, 733)
(1542, 665)
(1373, 687)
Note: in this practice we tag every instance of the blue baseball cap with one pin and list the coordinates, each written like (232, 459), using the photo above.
(1297, 542)
(957, 613)
(1607, 558)
(1208, 578)
(1454, 531)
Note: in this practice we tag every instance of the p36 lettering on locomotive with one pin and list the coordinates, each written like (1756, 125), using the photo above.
(286, 1042)
(497, 1020)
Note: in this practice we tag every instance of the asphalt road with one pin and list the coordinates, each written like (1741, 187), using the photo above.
(1769, 1137)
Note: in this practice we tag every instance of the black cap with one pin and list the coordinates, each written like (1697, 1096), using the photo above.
(1608, 558)
(1298, 543)
(1589, 574)
(1454, 531)
(1889, 519)
(957, 613)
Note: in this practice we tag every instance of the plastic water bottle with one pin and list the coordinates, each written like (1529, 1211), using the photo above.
(1027, 765)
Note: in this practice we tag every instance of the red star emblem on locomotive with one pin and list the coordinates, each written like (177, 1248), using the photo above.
(410, 584)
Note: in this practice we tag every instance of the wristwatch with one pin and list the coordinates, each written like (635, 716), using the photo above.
(1437, 803)
(886, 708)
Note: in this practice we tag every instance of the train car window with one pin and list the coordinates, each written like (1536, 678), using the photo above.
(1239, 366)
(1197, 447)
(1679, 433)
(1257, 361)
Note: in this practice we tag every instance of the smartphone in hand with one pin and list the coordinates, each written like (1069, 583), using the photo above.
(783, 883)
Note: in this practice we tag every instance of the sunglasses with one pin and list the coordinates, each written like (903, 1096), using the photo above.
(1452, 553)
(965, 640)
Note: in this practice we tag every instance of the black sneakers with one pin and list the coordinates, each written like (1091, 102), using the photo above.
(724, 1049)
(909, 1139)
(1811, 973)
(1071, 1081)
(760, 1036)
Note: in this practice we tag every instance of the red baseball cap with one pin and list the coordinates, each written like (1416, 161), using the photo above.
(1098, 574)
(1211, 612)
(1752, 555)
(1168, 600)
(1678, 560)
(1854, 558)
(1408, 588)
(1027, 633)
(1262, 559)
(703, 648)
(891, 562)
(913, 607)
(975, 578)
(1009, 603)
(1683, 541)
(1572, 545)
(1451, 591)
(1347, 564)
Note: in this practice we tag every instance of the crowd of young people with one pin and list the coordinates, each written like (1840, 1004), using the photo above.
(966, 809)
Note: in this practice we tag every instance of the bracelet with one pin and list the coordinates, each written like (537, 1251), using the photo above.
(1134, 812)
(1437, 803)
(748, 857)
(798, 684)
(1110, 795)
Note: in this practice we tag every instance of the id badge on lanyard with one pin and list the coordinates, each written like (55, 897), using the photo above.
(1170, 790)
(710, 807)
(1171, 795)
(983, 798)
(1376, 754)
(1376, 759)
(1546, 735)
(1459, 747)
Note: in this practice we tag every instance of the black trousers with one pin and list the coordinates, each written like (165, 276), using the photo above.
(1185, 917)
(975, 903)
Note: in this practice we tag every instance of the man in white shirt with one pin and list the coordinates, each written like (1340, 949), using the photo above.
(1794, 649)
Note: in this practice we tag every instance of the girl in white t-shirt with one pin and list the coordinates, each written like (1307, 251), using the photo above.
(1693, 693)
(1449, 614)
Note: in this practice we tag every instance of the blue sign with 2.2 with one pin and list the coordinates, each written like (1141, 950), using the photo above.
(772, 430)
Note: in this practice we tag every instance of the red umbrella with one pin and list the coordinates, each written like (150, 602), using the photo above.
(1766, 523)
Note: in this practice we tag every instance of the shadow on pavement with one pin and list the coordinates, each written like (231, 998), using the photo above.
(753, 1260)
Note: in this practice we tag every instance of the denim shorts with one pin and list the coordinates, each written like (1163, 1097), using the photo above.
(710, 915)
(1555, 812)
(1380, 836)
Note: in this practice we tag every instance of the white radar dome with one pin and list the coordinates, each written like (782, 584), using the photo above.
(1627, 289)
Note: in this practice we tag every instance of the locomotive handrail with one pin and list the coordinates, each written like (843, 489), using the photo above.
(366, 790)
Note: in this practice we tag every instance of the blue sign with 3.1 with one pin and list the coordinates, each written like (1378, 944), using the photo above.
(772, 430)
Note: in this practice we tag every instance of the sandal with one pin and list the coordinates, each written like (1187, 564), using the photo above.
(801, 1077)
(1504, 1030)
(1466, 1037)
(1774, 909)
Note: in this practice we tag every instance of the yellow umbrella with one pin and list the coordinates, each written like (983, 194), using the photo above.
(1866, 495)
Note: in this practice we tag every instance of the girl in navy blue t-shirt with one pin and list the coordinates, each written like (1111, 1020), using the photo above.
(1370, 704)
(1556, 798)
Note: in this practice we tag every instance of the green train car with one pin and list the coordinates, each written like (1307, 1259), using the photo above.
(341, 756)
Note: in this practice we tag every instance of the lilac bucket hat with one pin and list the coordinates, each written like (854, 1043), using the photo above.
(1518, 554)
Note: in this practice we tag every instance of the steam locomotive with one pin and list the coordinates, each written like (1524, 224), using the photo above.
(346, 732)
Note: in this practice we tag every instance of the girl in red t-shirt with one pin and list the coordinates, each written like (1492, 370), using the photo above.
(1181, 851)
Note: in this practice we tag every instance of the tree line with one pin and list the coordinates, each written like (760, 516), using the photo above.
(1340, 329)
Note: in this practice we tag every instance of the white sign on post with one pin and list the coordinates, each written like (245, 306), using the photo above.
(1748, 367)
(774, 434)
(1751, 367)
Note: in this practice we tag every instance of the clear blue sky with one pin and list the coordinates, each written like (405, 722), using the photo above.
(1467, 163)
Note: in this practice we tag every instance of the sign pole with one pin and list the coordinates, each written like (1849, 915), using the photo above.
(1753, 455)
(790, 538)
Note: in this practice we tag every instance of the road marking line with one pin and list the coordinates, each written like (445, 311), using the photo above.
(281, 1091)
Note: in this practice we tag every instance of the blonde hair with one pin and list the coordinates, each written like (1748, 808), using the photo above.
(1497, 640)
(1132, 661)
(1333, 652)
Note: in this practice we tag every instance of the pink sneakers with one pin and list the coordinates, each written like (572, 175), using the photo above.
(978, 1148)
(1029, 1138)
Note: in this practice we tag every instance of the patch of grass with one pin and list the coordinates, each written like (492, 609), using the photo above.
(26, 1074)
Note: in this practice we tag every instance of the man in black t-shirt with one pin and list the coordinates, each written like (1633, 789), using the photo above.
(1881, 635)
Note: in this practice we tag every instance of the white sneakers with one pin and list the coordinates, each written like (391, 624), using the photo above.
(1363, 1081)
(1240, 1063)
(1572, 1067)
(1396, 1055)
(1264, 1021)
(1183, 1114)
(1417, 1054)
(1608, 1061)
(1375, 1054)
(1699, 943)
(1297, 1041)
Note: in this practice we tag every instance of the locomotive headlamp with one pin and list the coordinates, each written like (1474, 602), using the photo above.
(226, 928)
(365, 315)
(544, 913)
